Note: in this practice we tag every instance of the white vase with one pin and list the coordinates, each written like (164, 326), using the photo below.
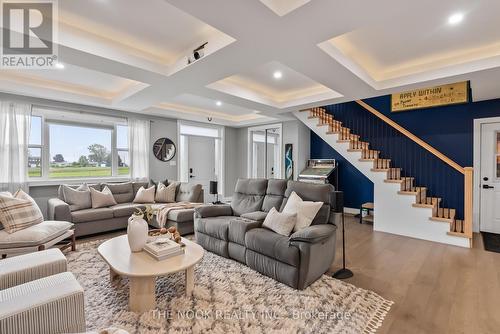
(137, 233)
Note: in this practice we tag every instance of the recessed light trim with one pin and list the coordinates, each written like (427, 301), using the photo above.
(59, 66)
(218, 103)
(277, 75)
(455, 18)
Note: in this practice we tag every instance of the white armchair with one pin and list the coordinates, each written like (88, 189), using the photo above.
(38, 296)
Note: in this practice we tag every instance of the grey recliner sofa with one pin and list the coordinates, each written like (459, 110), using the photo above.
(235, 231)
(91, 221)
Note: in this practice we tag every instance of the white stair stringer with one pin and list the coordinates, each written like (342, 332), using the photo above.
(394, 213)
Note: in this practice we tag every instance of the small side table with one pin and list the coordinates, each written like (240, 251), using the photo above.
(369, 217)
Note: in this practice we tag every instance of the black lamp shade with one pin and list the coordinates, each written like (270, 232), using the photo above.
(213, 188)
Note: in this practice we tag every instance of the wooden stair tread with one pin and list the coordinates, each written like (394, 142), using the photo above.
(434, 202)
(380, 169)
(442, 220)
(415, 191)
(401, 180)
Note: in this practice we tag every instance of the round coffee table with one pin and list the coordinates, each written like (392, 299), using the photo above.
(142, 269)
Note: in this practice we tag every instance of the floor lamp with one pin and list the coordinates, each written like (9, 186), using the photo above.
(339, 207)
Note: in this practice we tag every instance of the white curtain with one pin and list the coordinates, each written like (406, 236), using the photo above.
(15, 125)
(138, 143)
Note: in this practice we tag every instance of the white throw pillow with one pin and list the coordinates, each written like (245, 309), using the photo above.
(306, 211)
(145, 196)
(280, 222)
(101, 199)
(165, 194)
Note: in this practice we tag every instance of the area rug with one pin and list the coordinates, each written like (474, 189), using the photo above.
(228, 298)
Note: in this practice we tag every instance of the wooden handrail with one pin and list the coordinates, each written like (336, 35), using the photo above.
(410, 135)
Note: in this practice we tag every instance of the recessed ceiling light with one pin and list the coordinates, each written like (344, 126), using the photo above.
(59, 66)
(277, 75)
(455, 18)
(218, 103)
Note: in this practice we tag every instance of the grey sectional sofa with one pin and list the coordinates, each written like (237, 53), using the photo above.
(92, 221)
(235, 231)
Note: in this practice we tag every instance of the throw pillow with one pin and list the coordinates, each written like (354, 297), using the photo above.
(145, 196)
(101, 199)
(306, 211)
(19, 211)
(165, 194)
(79, 198)
(280, 222)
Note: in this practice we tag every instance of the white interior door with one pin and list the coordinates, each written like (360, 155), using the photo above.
(490, 178)
(201, 161)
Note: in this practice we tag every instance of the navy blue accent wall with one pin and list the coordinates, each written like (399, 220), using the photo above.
(357, 188)
(449, 129)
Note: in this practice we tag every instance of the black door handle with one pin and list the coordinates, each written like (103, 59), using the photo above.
(191, 176)
(485, 186)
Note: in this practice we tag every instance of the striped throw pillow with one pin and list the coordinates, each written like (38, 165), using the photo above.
(19, 212)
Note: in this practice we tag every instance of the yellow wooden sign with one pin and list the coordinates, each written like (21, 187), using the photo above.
(431, 97)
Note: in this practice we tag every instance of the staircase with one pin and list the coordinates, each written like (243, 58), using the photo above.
(403, 206)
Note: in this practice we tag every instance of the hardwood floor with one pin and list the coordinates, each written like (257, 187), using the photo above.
(435, 288)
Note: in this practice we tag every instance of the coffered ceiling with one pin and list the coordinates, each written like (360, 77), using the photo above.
(263, 58)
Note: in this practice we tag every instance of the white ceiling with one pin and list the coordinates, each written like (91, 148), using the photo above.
(131, 55)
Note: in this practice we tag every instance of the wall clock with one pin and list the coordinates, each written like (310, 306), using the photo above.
(164, 149)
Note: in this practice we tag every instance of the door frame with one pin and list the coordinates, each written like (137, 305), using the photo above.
(221, 148)
(476, 207)
(250, 143)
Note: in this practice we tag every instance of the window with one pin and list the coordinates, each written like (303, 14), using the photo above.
(35, 148)
(75, 145)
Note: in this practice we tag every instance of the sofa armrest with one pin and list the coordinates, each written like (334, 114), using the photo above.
(206, 211)
(258, 216)
(58, 210)
(316, 246)
(314, 233)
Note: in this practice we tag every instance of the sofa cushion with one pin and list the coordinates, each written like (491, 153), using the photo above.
(77, 199)
(273, 245)
(275, 193)
(238, 227)
(181, 216)
(258, 216)
(125, 209)
(89, 215)
(34, 235)
(122, 192)
(216, 227)
(187, 192)
(248, 196)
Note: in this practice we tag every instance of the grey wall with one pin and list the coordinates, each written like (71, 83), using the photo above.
(160, 170)
(236, 157)
(294, 132)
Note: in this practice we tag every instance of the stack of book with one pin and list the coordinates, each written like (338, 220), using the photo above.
(163, 248)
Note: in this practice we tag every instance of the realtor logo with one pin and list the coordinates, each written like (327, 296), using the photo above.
(29, 31)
